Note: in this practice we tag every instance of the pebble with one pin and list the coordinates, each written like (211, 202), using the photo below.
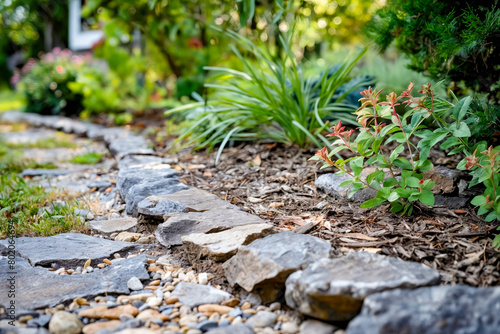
(171, 300)
(207, 325)
(237, 321)
(214, 308)
(262, 319)
(203, 278)
(89, 269)
(275, 306)
(154, 301)
(289, 328)
(65, 323)
(246, 306)
(233, 302)
(101, 325)
(185, 320)
(114, 313)
(135, 284)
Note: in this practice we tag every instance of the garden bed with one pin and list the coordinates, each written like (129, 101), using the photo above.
(276, 182)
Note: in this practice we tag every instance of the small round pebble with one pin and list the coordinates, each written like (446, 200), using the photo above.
(135, 284)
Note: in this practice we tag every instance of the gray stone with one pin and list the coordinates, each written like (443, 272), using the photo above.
(68, 249)
(192, 294)
(28, 136)
(316, 327)
(121, 147)
(143, 161)
(157, 209)
(135, 284)
(446, 179)
(38, 288)
(65, 323)
(451, 202)
(262, 319)
(221, 246)
(334, 289)
(330, 184)
(457, 309)
(180, 224)
(44, 172)
(207, 325)
(84, 213)
(196, 200)
(99, 184)
(129, 177)
(264, 265)
(140, 191)
(239, 329)
(127, 224)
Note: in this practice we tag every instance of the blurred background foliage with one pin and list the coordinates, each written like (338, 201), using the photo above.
(158, 54)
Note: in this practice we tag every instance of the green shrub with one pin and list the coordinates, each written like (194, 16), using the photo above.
(45, 84)
(270, 99)
(449, 39)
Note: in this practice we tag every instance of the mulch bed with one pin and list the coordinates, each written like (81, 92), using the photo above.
(276, 182)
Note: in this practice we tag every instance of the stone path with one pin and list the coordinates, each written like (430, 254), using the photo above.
(132, 274)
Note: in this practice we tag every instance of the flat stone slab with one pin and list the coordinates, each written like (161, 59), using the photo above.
(440, 309)
(264, 265)
(155, 208)
(193, 294)
(39, 288)
(221, 246)
(44, 172)
(121, 147)
(143, 161)
(129, 177)
(239, 329)
(334, 289)
(180, 224)
(28, 136)
(127, 224)
(67, 249)
(196, 200)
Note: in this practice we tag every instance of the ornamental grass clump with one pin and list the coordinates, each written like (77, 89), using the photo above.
(270, 99)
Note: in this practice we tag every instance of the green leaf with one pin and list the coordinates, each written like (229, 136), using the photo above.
(396, 152)
(461, 108)
(452, 141)
(391, 182)
(462, 131)
(346, 183)
(372, 203)
(403, 192)
(424, 165)
(357, 165)
(482, 210)
(403, 163)
(492, 216)
(496, 242)
(426, 197)
(412, 182)
(478, 200)
(399, 137)
(393, 196)
(396, 207)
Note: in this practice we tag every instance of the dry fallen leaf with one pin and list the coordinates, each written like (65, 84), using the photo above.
(371, 250)
(86, 264)
(207, 173)
(196, 166)
(274, 205)
(108, 189)
(270, 146)
(254, 199)
(460, 211)
(257, 160)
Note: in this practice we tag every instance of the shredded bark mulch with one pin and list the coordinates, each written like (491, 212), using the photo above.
(276, 182)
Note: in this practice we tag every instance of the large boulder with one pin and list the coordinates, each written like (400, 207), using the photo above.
(180, 224)
(264, 265)
(456, 309)
(334, 289)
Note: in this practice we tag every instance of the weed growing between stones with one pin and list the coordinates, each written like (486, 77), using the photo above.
(90, 158)
(417, 124)
(33, 210)
(61, 140)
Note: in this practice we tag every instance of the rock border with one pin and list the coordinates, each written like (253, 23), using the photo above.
(133, 155)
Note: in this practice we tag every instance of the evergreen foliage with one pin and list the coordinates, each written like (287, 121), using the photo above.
(449, 39)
